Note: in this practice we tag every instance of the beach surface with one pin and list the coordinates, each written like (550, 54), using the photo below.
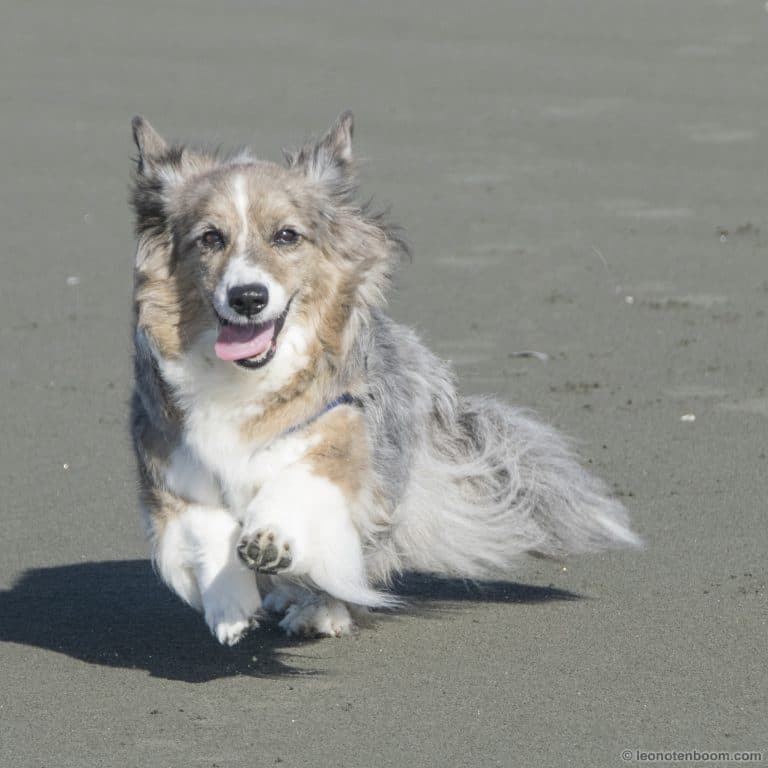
(584, 188)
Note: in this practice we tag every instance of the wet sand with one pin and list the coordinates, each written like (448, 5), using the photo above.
(585, 181)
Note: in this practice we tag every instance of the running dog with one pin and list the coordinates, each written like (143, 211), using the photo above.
(295, 443)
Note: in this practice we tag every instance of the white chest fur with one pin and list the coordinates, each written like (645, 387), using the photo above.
(216, 462)
(215, 466)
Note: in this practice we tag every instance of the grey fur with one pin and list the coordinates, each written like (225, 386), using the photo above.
(473, 482)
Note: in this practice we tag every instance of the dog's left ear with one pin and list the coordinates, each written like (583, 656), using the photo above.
(337, 143)
(330, 160)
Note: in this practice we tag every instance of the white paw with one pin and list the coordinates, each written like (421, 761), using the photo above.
(230, 605)
(322, 617)
(231, 632)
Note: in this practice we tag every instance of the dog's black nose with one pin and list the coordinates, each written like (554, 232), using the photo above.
(248, 300)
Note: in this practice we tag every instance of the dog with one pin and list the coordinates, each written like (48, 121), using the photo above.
(292, 441)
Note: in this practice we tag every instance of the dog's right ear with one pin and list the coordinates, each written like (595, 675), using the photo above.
(151, 145)
(157, 170)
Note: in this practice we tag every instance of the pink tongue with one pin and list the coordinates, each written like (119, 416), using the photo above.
(238, 342)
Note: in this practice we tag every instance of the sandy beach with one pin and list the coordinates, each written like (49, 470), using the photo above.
(593, 176)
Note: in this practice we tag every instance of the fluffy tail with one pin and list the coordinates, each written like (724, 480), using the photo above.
(491, 483)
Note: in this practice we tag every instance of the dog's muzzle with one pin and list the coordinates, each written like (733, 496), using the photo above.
(250, 344)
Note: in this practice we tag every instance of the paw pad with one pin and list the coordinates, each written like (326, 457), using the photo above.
(265, 552)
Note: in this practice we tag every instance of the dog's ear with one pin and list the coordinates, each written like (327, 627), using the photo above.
(337, 143)
(151, 145)
(164, 164)
(329, 160)
(158, 170)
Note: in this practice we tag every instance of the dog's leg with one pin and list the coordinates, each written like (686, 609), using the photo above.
(303, 522)
(307, 613)
(300, 525)
(317, 616)
(194, 551)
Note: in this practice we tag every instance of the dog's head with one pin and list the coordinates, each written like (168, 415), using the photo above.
(246, 247)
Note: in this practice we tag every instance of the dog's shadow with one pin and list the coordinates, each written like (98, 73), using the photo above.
(431, 593)
(117, 614)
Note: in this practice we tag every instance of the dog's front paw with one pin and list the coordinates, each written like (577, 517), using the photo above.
(322, 617)
(230, 605)
(266, 550)
(229, 631)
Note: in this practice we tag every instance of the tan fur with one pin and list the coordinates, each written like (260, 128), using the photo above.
(341, 456)
(269, 211)
(331, 300)
(162, 506)
(293, 404)
(169, 309)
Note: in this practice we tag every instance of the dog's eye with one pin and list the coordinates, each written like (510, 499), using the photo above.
(212, 239)
(286, 236)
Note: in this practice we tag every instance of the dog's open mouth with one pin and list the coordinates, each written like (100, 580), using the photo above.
(249, 345)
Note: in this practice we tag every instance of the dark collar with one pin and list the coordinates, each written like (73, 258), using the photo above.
(345, 399)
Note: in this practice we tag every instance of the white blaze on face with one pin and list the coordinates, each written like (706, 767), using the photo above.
(241, 203)
(242, 270)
